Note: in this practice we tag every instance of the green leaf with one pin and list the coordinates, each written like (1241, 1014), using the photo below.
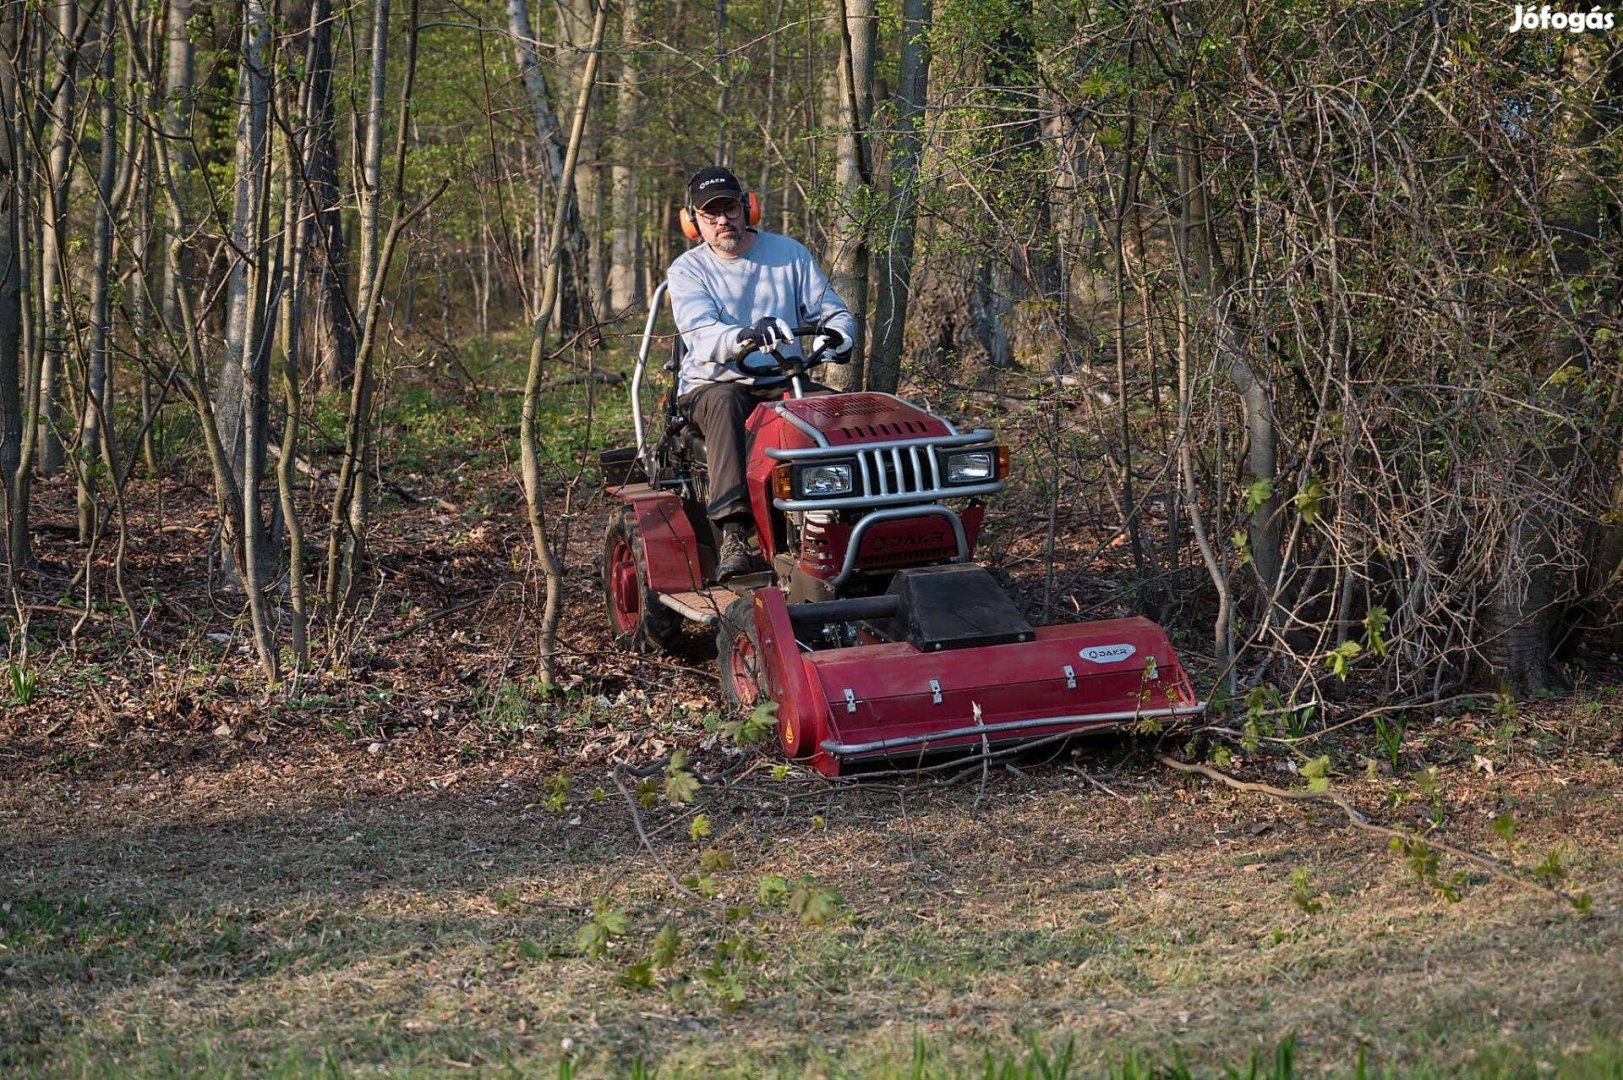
(1504, 827)
(1307, 500)
(681, 786)
(1337, 659)
(758, 726)
(699, 827)
(814, 905)
(1242, 545)
(714, 859)
(1317, 773)
(772, 890)
(639, 976)
(1375, 624)
(1258, 494)
(1302, 894)
(666, 945)
(613, 920)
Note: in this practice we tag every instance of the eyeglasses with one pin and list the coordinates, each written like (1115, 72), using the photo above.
(725, 210)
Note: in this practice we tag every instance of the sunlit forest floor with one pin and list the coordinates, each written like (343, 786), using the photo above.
(416, 861)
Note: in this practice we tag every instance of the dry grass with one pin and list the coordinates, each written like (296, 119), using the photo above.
(246, 918)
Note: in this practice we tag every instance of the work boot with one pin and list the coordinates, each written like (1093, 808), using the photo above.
(737, 550)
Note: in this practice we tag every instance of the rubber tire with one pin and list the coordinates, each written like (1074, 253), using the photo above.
(637, 620)
(738, 656)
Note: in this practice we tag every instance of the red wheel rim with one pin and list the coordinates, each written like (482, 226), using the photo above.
(746, 671)
(624, 594)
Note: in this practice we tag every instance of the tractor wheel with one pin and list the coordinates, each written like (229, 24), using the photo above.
(738, 652)
(636, 617)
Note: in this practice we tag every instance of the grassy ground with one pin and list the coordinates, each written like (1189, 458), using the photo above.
(245, 916)
(415, 863)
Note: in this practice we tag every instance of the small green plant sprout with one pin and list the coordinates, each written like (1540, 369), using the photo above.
(681, 786)
(772, 890)
(1317, 773)
(23, 680)
(1302, 894)
(1308, 498)
(813, 904)
(757, 727)
(1504, 827)
(647, 793)
(637, 976)
(1430, 785)
(557, 793)
(667, 944)
(1375, 624)
(1504, 703)
(1340, 658)
(780, 772)
(1242, 546)
(1423, 861)
(699, 827)
(1389, 734)
(1551, 871)
(607, 923)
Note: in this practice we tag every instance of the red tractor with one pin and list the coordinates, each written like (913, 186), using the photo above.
(871, 629)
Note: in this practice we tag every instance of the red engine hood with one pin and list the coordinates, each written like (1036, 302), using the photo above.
(847, 419)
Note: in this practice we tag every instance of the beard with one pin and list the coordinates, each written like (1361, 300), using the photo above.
(728, 244)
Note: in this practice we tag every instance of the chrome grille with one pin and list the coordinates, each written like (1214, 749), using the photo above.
(900, 470)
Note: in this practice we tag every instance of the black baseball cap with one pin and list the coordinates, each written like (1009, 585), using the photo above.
(712, 183)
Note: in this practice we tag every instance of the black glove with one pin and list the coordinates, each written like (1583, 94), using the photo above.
(832, 346)
(767, 333)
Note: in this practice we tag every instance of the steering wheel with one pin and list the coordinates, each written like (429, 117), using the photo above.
(772, 362)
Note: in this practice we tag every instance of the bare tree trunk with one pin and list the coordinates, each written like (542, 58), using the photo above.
(334, 321)
(351, 511)
(896, 260)
(246, 345)
(52, 283)
(94, 443)
(528, 454)
(625, 271)
(289, 312)
(550, 140)
(13, 496)
(177, 84)
(848, 263)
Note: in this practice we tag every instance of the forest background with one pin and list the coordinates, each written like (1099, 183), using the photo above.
(1304, 318)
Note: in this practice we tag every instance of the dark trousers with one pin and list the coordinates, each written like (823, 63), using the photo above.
(720, 410)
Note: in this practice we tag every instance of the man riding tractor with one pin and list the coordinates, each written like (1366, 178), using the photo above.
(737, 293)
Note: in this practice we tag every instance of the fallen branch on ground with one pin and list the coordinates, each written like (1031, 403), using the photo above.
(1493, 866)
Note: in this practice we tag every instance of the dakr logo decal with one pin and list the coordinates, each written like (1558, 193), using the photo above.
(1108, 654)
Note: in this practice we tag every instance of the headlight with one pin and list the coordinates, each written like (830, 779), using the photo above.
(972, 467)
(817, 481)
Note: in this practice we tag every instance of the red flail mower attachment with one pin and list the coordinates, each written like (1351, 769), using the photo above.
(962, 671)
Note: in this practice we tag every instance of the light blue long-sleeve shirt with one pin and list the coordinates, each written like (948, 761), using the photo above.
(713, 298)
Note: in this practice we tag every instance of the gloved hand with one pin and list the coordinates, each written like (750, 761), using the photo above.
(767, 333)
(837, 344)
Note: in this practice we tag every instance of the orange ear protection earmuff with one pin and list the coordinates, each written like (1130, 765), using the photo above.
(690, 226)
